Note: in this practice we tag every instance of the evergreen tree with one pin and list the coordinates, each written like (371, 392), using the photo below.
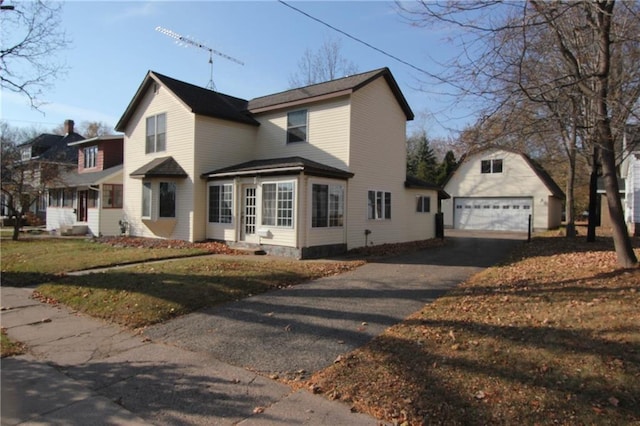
(421, 159)
(446, 167)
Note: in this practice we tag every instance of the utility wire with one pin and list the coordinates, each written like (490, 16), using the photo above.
(402, 61)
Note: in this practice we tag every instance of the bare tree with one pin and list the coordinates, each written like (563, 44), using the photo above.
(326, 63)
(89, 129)
(571, 58)
(24, 182)
(30, 40)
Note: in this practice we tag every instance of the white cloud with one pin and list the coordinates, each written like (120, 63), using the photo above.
(135, 10)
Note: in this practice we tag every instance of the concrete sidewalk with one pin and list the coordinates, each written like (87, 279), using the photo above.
(83, 371)
(211, 367)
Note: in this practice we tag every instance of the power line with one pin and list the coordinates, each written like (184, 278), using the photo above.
(346, 34)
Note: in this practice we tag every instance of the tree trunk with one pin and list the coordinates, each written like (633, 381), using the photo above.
(16, 227)
(622, 241)
(593, 197)
(570, 208)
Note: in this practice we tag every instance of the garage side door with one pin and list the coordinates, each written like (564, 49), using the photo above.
(497, 214)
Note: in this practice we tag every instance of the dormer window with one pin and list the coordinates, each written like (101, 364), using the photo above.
(156, 133)
(297, 126)
(90, 156)
(491, 166)
(25, 154)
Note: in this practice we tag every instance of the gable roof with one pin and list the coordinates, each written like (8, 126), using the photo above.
(196, 99)
(542, 174)
(329, 89)
(159, 167)
(279, 166)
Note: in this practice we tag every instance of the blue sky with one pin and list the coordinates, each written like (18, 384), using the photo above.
(115, 43)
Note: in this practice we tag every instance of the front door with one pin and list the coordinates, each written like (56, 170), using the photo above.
(248, 230)
(81, 212)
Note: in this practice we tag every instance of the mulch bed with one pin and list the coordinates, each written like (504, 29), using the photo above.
(214, 247)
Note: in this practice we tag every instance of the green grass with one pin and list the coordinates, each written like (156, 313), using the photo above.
(30, 261)
(9, 347)
(145, 294)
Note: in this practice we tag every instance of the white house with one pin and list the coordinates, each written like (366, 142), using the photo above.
(498, 189)
(630, 172)
(88, 200)
(307, 172)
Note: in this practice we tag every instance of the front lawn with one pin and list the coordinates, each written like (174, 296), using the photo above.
(553, 337)
(31, 261)
(146, 294)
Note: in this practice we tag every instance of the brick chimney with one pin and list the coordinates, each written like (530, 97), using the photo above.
(68, 127)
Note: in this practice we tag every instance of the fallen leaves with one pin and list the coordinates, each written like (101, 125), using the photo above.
(550, 337)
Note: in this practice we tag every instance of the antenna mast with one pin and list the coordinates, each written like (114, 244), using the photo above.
(188, 41)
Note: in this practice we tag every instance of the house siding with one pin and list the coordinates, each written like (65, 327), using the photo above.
(418, 225)
(516, 180)
(632, 195)
(218, 143)
(377, 154)
(110, 153)
(327, 134)
(180, 145)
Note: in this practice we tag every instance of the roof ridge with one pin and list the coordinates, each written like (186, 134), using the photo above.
(372, 72)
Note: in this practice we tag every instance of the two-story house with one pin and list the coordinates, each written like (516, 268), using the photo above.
(88, 200)
(49, 156)
(306, 173)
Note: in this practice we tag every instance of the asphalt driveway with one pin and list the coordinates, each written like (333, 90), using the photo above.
(304, 328)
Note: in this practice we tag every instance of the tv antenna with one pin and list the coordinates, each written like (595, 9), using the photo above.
(188, 41)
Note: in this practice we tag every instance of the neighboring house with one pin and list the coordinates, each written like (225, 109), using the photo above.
(48, 150)
(498, 189)
(89, 200)
(306, 173)
(630, 172)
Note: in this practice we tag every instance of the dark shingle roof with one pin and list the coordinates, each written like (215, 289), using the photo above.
(48, 147)
(213, 104)
(197, 99)
(415, 183)
(279, 166)
(73, 178)
(160, 167)
(334, 87)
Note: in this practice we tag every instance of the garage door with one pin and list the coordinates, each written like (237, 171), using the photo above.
(499, 214)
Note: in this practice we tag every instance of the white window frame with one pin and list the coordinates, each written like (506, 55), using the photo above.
(90, 154)
(334, 205)
(153, 130)
(147, 200)
(378, 205)
(291, 128)
(224, 203)
(493, 166)
(280, 220)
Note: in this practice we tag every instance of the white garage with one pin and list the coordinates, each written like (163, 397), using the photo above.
(497, 214)
(498, 189)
